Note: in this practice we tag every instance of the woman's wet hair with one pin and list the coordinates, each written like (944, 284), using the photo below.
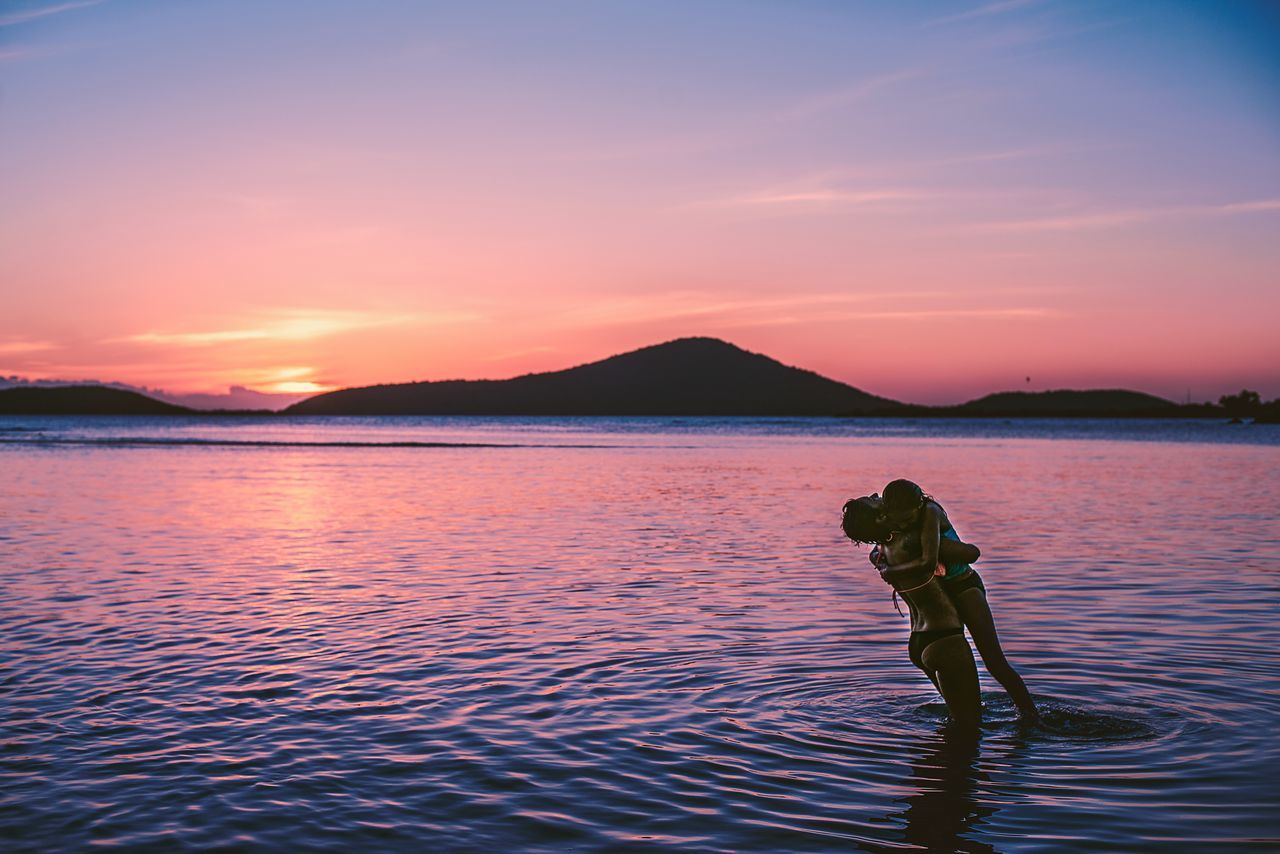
(860, 521)
(902, 496)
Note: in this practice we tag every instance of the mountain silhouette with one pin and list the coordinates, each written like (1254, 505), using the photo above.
(688, 376)
(1100, 402)
(82, 400)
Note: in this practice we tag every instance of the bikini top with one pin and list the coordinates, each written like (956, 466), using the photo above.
(932, 579)
(923, 598)
(946, 529)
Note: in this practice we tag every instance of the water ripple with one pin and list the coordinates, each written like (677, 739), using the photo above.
(633, 647)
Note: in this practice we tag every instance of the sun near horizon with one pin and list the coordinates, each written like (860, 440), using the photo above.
(927, 202)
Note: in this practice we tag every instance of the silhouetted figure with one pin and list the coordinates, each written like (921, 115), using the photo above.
(907, 508)
(937, 644)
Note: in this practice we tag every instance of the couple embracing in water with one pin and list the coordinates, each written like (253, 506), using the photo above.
(920, 555)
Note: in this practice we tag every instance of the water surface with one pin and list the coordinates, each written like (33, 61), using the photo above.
(624, 633)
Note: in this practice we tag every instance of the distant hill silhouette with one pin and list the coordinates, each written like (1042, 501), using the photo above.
(237, 398)
(1102, 403)
(689, 376)
(82, 400)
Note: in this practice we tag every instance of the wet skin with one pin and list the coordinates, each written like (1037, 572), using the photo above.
(946, 660)
(971, 604)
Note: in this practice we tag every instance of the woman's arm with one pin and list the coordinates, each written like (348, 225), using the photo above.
(930, 540)
(949, 552)
(955, 551)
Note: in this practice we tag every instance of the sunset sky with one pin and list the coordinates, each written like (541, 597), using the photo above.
(930, 201)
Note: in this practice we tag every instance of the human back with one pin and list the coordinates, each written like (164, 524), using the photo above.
(908, 507)
(937, 644)
(931, 608)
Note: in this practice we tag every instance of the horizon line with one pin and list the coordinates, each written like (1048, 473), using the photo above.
(15, 381)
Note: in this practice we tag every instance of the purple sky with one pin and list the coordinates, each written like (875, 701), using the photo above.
(930, 201)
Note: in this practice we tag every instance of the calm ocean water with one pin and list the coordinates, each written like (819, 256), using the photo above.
(590, 634)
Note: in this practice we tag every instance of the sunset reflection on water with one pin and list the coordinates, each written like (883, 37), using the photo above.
(660, 638)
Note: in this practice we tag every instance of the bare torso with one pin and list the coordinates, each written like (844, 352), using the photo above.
(931, 607)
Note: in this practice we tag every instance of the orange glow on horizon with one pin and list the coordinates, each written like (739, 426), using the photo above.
(295, 388)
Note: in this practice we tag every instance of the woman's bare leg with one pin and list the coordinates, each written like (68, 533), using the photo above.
(950, 661)
(976, 613)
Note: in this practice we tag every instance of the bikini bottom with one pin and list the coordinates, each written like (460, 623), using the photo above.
(966, 580)
(920, 641)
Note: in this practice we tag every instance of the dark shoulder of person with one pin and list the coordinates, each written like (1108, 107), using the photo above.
(943, 521)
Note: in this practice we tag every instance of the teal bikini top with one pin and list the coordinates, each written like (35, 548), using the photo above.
(954, 569)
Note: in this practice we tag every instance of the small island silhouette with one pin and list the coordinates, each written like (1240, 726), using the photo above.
(82, 400)
(685, 377)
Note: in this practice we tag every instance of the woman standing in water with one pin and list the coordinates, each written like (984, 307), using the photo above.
(905, 507)
(937, 645)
